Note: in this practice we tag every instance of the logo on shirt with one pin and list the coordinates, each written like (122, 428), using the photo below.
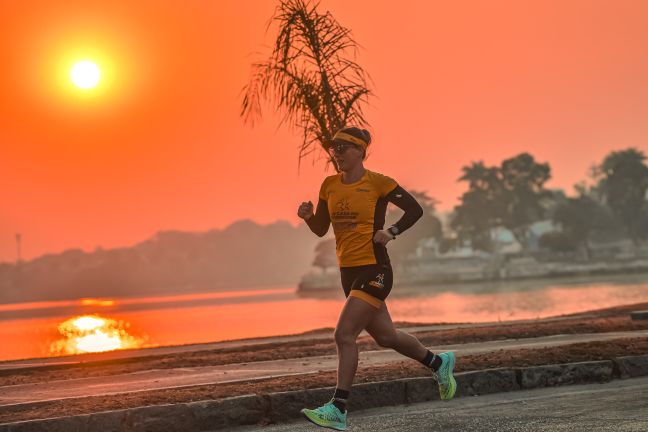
(343, 219)
(343, 205)
(362, 190)
(379, 282)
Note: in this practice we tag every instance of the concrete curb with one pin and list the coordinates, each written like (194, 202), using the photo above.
(212, 415)
(639, 315)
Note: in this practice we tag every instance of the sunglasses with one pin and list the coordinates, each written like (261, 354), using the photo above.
(340, 148)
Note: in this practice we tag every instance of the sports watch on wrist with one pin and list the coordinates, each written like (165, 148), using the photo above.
(393, 230)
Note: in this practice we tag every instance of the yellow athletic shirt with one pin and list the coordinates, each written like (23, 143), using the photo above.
(357, 211)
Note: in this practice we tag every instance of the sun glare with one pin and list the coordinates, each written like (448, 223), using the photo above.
(99, 341)
(93, 333)
(88, 323)
(85, 74)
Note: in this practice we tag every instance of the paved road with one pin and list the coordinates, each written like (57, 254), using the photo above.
(619, 406)
(182, 377)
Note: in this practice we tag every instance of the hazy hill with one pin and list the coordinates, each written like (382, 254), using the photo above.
(244, 254)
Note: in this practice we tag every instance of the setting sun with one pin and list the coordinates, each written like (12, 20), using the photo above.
(93, 333)
(85, 74)
(88, 322)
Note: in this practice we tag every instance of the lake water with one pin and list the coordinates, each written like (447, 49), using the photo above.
(52, 328)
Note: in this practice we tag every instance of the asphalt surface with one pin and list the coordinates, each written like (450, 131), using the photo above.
(182, 377)
(619, 406)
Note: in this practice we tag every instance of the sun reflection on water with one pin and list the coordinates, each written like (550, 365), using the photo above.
(96, 302)
(93, 333)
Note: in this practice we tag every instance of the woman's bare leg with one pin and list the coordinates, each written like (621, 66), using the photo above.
(354, 318)
(382, 329)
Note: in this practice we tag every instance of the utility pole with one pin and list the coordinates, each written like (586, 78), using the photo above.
(18, 238)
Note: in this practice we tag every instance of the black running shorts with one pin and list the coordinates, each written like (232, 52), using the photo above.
(371, 283)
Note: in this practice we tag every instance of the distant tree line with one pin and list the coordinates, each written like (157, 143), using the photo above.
(615, 206)
(513, 195)
(244, 254)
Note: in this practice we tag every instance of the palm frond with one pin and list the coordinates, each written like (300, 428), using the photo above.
(311, 76)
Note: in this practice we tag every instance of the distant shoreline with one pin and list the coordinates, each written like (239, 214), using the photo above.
(434, 276)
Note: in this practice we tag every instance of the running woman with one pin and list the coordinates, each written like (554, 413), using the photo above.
(355, 201)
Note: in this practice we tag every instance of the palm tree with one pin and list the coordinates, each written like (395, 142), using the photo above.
(479, 176)
(311, 76)
(623, 179)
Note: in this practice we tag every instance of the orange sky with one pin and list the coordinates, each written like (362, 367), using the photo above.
(163, 147)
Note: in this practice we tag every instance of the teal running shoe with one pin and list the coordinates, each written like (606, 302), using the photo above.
(447, 382)
(328, 416)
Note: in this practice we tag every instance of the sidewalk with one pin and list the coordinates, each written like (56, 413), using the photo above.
(182, 377)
